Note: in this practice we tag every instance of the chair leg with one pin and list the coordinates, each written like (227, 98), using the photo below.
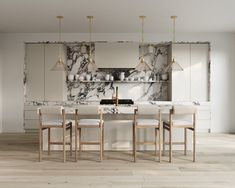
(70, 140)
(185, 141)
(40, 145)
(101, 143)
(163, 140)
(64, 152)
(194, 145)
(170, 145)
(79, 140)
(159, 144)
(155, 142)
(49, 141)
(76, 143)
(134, 142)
(103, 140)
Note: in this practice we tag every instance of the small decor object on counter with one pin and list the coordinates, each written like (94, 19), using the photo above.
(107, 77)
(76, 77)
(111, 78)
(71, 77)
(157, 77)
(132, 79)
(126, 79)
(88, 77)
(164, 76)
(146, 78)
(81, 78)
(122, 76)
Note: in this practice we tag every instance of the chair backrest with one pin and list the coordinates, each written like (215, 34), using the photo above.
(50, 113)
(184, 109)
(148, 109)
(88, 109)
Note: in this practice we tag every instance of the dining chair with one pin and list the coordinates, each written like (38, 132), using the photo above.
(147, 117)
(51, 118)
(184, 117)
(84, 120)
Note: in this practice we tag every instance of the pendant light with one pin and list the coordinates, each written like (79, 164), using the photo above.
(142, 65)
(59, 65)
(91, 66)
(173, 65)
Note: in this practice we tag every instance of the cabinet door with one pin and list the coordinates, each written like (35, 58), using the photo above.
(199, 72)
(55, 82)
(181, 79)
(34, 72)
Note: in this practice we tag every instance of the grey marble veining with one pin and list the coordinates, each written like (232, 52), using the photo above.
(140, 90)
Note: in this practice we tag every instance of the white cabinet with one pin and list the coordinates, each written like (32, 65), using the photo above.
(34, 62)
(55, 81)
(191, 84)
(42, 84)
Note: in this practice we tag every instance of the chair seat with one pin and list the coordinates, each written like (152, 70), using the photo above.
(88, 122)
(54, 123)
(147, 122)
(182, 123)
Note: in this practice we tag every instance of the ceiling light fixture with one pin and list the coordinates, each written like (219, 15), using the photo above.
(173, 65)
(59, 65)
(142, 65)
(91, 66)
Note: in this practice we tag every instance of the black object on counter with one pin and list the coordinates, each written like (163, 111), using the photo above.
(113, 101)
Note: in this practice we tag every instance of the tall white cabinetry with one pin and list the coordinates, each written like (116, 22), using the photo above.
(42, 84)
(192, 84)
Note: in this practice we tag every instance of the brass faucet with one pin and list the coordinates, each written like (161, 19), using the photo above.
(116, 96)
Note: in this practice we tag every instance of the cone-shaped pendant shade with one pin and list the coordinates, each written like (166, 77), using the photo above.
(91, 66)
(173, 65)
(59, 66)
(142, 66)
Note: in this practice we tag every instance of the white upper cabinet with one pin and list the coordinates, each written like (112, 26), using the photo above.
(55, 85)
(34, 60)
(42, 84)
(181, 79)
(191, 84)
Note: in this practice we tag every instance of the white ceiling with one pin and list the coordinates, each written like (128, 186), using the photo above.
(117, 16)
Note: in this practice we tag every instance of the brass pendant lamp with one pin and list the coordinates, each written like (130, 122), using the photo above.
(142, 65)
(173, 65)
(59, 65)
(91, 66)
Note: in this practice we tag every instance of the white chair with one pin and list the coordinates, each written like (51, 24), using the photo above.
(181, 111)
(143, 121)
(88, 122)
(52, 118)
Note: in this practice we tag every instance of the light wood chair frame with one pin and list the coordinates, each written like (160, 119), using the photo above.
(78, 135)
(168, 126)
(64, 128)
(157, 132)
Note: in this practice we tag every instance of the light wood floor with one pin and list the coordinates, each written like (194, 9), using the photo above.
(215, 167)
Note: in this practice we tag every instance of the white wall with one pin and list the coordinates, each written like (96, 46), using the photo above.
(1, 62)
(222, 68)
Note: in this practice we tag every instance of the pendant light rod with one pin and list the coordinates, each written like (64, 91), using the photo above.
(173, 18)
(90, 30)
(142, 37)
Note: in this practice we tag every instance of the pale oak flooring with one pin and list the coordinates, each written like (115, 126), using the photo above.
(215, 166)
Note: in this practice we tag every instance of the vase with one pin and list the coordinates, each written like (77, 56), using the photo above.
(122, 76)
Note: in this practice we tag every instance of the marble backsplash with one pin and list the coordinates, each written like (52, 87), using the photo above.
(139, 86)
